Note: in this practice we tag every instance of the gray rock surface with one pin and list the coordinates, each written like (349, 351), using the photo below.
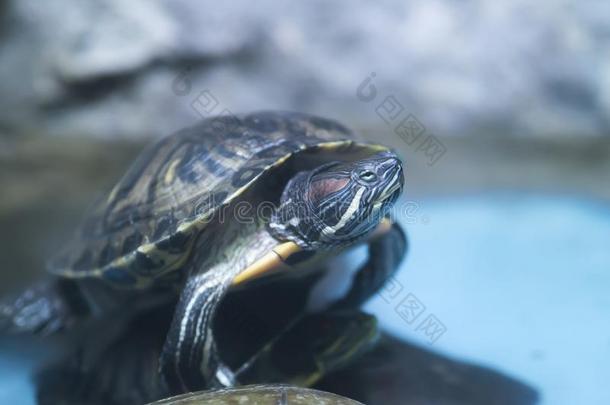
(109, 68)
(396, 372)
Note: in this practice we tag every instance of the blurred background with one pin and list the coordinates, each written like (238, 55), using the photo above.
(500, 109)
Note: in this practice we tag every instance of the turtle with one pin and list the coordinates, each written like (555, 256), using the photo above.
(268, 394)
(124, 371)
(215, 208)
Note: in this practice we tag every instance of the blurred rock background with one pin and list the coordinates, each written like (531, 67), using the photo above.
(105, 68)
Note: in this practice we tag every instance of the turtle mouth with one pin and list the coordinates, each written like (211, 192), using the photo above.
(391, 194)
(386, 201)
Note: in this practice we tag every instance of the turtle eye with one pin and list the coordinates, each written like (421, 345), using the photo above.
(368, 176)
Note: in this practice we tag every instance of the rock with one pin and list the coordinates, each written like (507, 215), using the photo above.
(399, 373)
(106, 68)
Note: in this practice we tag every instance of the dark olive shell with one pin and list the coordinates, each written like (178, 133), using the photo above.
(145, 227)
(260, 395)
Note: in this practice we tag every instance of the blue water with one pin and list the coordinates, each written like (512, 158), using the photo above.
(16, 363)
(519, 282)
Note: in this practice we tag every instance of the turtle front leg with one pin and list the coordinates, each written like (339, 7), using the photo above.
(41, 309)
(56, 304)
(189, 360)
(386, 251)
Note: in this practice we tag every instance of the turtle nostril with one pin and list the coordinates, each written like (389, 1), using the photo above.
(392, 162)
(392, 166)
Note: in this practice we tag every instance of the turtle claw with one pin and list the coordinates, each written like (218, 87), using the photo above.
(40, 309)
(311, 348)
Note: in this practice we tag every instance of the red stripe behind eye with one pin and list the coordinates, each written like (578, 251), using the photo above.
(322, 188)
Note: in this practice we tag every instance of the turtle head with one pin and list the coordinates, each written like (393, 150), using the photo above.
(338, 203)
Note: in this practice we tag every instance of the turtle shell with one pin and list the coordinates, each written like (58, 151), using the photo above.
(145, 227)
(259, 395)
